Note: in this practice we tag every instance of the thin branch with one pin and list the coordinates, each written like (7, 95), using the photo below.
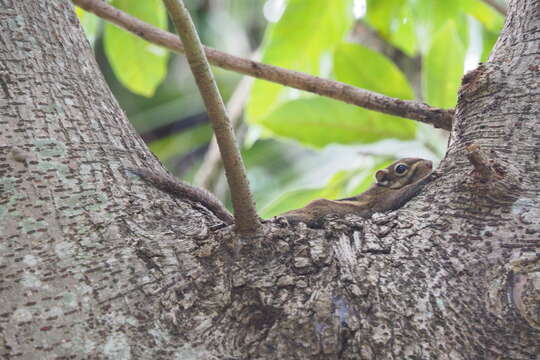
(211, 166)
(246, 220)
(415, 110)
(494, 4)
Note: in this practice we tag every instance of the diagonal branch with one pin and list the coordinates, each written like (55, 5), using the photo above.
(494, 4)
(415, 110)
(211, 166)
(246, 220)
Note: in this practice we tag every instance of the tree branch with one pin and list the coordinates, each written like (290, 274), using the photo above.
(246, 220)
(415, 110)
(494, 4)
(211, 166)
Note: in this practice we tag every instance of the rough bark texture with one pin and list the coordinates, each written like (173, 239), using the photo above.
(95, 264)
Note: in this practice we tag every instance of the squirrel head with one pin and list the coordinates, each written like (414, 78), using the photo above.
(403, 172)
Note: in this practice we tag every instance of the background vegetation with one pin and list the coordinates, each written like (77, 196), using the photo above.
(298, 146)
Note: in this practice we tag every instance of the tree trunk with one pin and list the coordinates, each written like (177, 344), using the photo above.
(96, 264)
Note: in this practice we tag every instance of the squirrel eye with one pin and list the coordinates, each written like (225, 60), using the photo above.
(401, 168)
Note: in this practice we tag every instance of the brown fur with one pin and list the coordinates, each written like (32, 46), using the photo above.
(391, 191)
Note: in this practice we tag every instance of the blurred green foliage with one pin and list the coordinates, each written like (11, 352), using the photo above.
(440, 86)
(139, 65)
(302, 146)
(306, 31)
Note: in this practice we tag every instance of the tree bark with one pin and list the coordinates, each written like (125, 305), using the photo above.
(96, 264)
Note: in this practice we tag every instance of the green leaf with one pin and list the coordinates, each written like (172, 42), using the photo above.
(90, 24)
(443, 67)
(179, 143)
(430, 16)
(408, 24)
(488, 39)
(301, 40)
(139, 65)
(368, 69)
(321, 121)
(394, 21)
(382, 14)
(485, 14)
(403, 36)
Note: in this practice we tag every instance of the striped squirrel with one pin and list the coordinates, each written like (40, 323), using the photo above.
(394, 186)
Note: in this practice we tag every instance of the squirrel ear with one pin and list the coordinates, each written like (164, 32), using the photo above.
(382, 177)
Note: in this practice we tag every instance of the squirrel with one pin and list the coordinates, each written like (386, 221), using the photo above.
(170, 185)
(394, 186)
